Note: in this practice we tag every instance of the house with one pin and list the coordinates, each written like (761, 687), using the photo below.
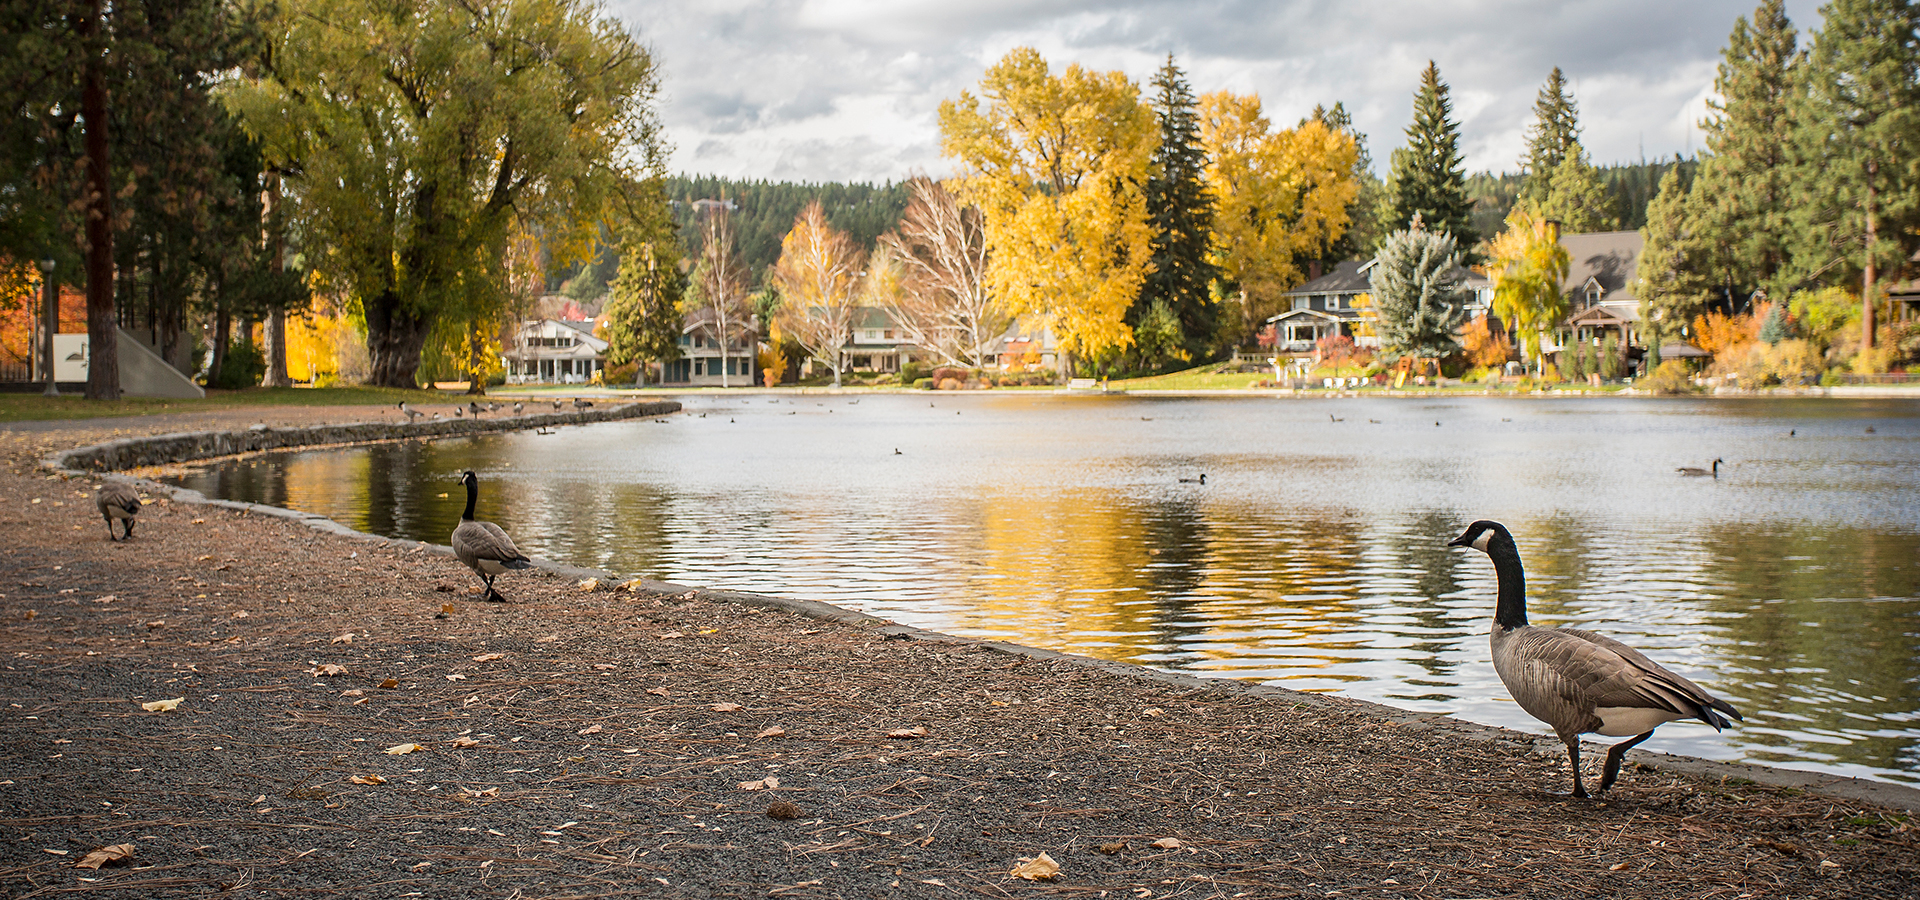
(555, 351)
(1339, 302)
(702, 362)
(1601, 268)
(1027, 344)
(879, 345)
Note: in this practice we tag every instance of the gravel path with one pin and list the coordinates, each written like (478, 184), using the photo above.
(600, 740)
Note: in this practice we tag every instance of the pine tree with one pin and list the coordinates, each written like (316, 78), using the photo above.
(1674, 280)
(1554, 133)
(1365, 229)
(1858, 130)
(1744, 187)
(1427, 178)
(1180, 212)
(1576, 196)
(1419, 293)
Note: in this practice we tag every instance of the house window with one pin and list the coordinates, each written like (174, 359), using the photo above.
(1302, 302)
(1593, 293)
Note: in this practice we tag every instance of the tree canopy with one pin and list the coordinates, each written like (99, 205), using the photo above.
(1180, 216)
(1427, 178)
(1419, 293)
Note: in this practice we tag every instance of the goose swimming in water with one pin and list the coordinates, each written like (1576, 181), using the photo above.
(1577, 681)
(1201, 480)
(1697, 472)
(482, 545)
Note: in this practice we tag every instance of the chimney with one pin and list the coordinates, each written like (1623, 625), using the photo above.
(1313, 269)
(1553, 230)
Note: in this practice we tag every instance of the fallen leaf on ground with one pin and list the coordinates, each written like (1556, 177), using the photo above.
(917, 731)
(403, 749)
(1168, 843)
(105, 856)
(1114, 847)
(327, 670)
(367, 779)
(590, 729)
(767, 783)
(657, 690)
(446, 609)
(163, 705)
(489, 792)
(107, 599)
(671, 635)
(590, 585)
(489, 657)
(772, 731)
(456, 677)
(725, 707)
(356, 692)
(390, 683)
(1039, 868)
(465, 742)
(1152, 711)
(157, 623)
(199, 521)
(633, 585)
(343, 639)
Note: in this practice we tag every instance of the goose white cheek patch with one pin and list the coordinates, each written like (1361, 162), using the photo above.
(1480, 543)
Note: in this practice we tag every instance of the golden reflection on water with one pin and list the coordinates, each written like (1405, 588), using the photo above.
(1315, 556)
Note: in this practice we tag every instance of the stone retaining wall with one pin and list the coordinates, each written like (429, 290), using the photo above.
(164, 449)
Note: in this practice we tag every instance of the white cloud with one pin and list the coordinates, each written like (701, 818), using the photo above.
(837, 90)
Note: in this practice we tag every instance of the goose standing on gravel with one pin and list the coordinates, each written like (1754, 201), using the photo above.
(482, 545)
(1577, 681)
(1697, 472)
(579, 404)
(556, 404)
(118, 500)
(411, 413)
(473, 406)
(517, 406)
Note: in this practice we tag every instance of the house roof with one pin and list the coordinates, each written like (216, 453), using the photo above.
(1314, 314)
(1347, 277)
(1609, 258)
(1605, 315)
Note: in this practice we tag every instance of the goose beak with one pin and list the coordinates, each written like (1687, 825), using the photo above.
(1465, 540)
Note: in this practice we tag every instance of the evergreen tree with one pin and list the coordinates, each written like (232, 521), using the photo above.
(1180, 212)
(1551, 138)
(1576, 196)
(1674, 277)
(1418, 293)
(1859, 130)
(1365, 225)
(1427, 178)
(1745, 185)
(644, 321)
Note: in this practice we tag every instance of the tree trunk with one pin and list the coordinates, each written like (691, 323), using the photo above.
(1867, 285)
(103, 319)
(275, 336)
(394, 339)
(222, 336)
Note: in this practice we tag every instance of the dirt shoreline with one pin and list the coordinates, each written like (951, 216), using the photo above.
(615, 742)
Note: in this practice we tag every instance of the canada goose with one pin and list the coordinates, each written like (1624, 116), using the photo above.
(1577, 681)
(518, 406)
(411, 413)
(896, 451)
(556, 404)
(1870, 429)
(118, 501)
(482, 545)
(1330, 418)
(459, 412)
(475, 408)
(1201, 480)
(1696, 471)
(582, 404)
(436, 417)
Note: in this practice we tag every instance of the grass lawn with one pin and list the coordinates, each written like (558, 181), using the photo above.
(1199, 378)
(25, 407)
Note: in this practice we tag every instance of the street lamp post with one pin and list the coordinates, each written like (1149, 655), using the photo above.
(50, 309)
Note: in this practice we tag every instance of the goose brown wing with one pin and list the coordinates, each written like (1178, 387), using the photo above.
(118, 498)
(1554, 676)
(500, 546)
(1642, 682)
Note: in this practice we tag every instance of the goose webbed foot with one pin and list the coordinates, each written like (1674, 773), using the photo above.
(1615, 754)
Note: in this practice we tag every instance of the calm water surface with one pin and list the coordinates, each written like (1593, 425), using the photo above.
(1314, 556)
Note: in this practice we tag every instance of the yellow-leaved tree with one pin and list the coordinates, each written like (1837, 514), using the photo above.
(1058, 165)
(819, 280)
(1527, 268)
(1279, 196)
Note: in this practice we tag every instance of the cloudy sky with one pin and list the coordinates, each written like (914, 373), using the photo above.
(848, 90)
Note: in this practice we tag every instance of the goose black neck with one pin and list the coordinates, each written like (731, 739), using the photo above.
(1511, 611)
(473, 494)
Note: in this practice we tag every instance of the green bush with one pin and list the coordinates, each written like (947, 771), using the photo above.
(925, 384)
(1670, 378)
(243, 367)
(913, 371)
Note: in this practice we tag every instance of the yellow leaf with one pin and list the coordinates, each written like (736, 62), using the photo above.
(327, 670)
(390, 683)
(1039, 868)
(489, 657)
(1167, 843)
(917, 731)
(767, 783)
(367, 779)
(403, 749)
(590, 585)
(105, 856)
(163, 705)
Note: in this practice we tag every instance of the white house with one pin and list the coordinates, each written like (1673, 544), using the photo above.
(701, 361)
(555, 351)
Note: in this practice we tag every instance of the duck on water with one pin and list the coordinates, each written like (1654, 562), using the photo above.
(1577, 681)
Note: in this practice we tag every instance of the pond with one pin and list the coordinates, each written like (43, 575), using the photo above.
(1312, 557)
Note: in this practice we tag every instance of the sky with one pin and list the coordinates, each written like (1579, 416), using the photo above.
(849, 90)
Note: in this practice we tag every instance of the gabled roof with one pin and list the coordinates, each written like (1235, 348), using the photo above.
(1605, 315)
(1609, 258)
(1349, 277)
(1314, 314)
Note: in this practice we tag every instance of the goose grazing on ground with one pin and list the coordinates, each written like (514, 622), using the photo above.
(1201, 480)
(1577, 681)
(411, 413)
(1696, 471)
(482, 545)
(459, 412)
(582, 404)
(118, 501)
(475, 408)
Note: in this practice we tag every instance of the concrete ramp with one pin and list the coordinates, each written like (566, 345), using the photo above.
(144, 374)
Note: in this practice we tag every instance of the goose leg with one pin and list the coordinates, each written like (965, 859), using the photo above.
(1614, 755)
(1573, 756)
(110, 536)
(128, 524)
(492, 595)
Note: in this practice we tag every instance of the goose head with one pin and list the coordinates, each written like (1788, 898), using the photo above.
(1483, 536)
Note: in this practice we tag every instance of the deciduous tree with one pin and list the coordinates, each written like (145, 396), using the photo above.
(1528, 267)
(720, 285)
(1059, 165)
(819, 278)
(942, 301)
